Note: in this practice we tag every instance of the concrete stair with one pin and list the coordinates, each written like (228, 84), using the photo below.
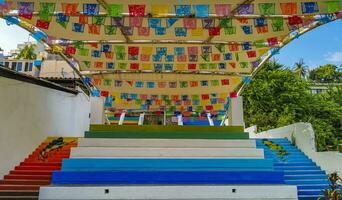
(24, 181)
(299, 170)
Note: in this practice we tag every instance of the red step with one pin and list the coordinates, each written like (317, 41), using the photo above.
(24, 182)
(37, 168)
(19, 187)
(28, 177)
(37, 153)
(15, 193)
(46, 161)
(40, 164)
(29, 172)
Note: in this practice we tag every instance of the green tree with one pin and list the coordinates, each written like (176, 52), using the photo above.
(28, 52)
(301, 68)
(279, 97)
(326, 74)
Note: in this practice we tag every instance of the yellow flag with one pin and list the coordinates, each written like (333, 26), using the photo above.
(160, 10)
(147, 50)
(180, 66)
(146, 66)
(236, 80)
(217, 107)
(197, 32)
(223, 95)
(262, 51)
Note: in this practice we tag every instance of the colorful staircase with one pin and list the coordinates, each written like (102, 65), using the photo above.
(24, 181)
(299, 169)
(167, 162)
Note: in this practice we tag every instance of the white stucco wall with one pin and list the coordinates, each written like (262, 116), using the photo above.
(29, 113)
(97, 110)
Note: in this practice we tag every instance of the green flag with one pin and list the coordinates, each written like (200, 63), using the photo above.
(78, 44)
(110, 30)
(83, 52)
(220, 47)
(226, 23)
(206, 57)
(122, 65)
(333, 6)
(195, 97)
(46, 11)
(183, 84)
(86, 64)
(107, 82)
(203, 66)
(230, 30)
(215, 83)
(212, 66)
(244, 64)
(120, 49)
(98, 20)
(115, 10)
(277, 24)
(267, 8)
(260, 44)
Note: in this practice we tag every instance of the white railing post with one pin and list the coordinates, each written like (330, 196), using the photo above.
(180, 120)
(211, 122)
(122, 118)
(141, 119)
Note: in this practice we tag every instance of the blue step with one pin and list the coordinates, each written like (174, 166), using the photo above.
(313, 187)
(302, 172)
(308, 176)
(311, 192)
(299, 169)
(307, 197)
(96, 164)
(167, 177)
(295, 164)
(307, 182)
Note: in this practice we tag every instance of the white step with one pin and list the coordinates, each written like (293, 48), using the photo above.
(119, 152)
(182, 192)
(173, 143)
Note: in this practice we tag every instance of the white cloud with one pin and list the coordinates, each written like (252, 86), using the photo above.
(334, 57)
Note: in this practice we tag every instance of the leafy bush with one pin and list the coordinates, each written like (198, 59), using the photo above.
(278, 97)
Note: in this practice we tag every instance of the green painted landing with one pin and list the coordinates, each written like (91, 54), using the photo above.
(166, 132)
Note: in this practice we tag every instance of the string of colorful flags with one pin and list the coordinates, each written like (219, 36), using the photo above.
(196, 102)
(47, 9)
(159, 84)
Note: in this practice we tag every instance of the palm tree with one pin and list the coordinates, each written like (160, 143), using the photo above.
(28, 52)
(301, 68)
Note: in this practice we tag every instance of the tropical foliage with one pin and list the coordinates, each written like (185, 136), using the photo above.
(279, 96)
(28, 52)
(326, 74)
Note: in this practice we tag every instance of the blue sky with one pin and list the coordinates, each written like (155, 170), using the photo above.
(318, 47)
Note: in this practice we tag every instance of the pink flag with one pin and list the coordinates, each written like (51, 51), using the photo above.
(193, 50)
(222, 9)
(190, 23)
(143, 31)
(135, 21)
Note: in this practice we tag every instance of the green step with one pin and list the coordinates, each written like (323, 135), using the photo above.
(167, 135)
(159, 128)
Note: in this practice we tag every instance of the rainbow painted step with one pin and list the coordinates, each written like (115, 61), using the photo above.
(129, 164)
(166, 132)
(165, 143)
(143, 152)
(166, 177)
